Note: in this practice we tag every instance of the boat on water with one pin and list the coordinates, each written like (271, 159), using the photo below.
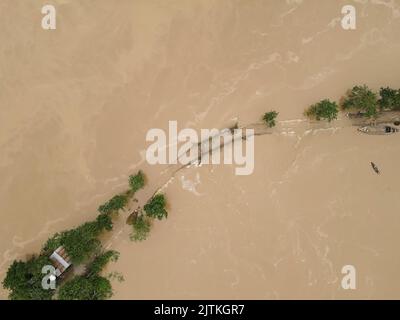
(379, 129)
(375, 168)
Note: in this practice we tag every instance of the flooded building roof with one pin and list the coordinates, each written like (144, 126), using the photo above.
(61, 260)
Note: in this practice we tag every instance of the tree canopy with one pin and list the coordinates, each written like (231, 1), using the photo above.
(24, 279)
(86, 288)
(141, 228)
(80, 243)
(155, 207)
(114, 204)
(91, 285)
(325, 109)
(269, 118)
(362, 98)
(137, 181)
(389, 99)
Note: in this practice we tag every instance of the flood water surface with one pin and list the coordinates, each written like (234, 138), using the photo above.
(76, 104)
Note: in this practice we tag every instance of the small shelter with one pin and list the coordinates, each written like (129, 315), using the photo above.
(61, 260)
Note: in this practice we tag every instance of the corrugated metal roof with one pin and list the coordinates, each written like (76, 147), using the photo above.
(61, 260)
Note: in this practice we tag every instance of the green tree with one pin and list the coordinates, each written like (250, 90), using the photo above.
(389, 99)
(90, 286)
(24, 279)
(98, 264)
(141, 228)
(269, 118)
(104, 222)
(86, 288)
(362, 98)
(80, 243)
(116, 203)
(155, 207)
(325, 109)
(137, 181)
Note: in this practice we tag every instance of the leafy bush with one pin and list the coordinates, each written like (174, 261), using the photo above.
(101, 261)
(390, 99)
(269, 118)
(325, 109)
(137, 181)
(362, 98)
(24, 280)
(155, 207)
(104, 221)
(117, 202)
(80, 243)
(141, 228)
(90, 286)
(86, 288)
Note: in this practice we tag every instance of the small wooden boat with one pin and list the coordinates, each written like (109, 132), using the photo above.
(375, 168)
(379, 129)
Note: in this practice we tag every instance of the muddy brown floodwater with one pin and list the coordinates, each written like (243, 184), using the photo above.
(77, 102)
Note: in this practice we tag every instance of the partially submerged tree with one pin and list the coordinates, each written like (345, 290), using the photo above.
(325, 109)
(389, 99)
(104, 222)
(24, 279)
(141, 228)
(269, 118)
(361, 98)
(86, 288)
(137, 181)
(91, 285)
(98, 264)
(114, 204)
(155, 207)
(82, 242)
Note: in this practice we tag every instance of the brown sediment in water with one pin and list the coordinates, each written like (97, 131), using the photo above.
(76, 105)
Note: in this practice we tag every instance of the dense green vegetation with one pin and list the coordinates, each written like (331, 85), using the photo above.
(86, 288)
(114, 204)
(155, 207)
(90, 286)
(324, 109)
(361, 98)
(101, 261)
(269, 118)
(389, 99)
(137, 181)
(141, 228)
(80, 243)
(24, 279)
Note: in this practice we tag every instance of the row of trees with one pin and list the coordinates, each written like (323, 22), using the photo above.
(24, 278)
(360, 99)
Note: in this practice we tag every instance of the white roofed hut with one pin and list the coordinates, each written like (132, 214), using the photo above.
(61, 260)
